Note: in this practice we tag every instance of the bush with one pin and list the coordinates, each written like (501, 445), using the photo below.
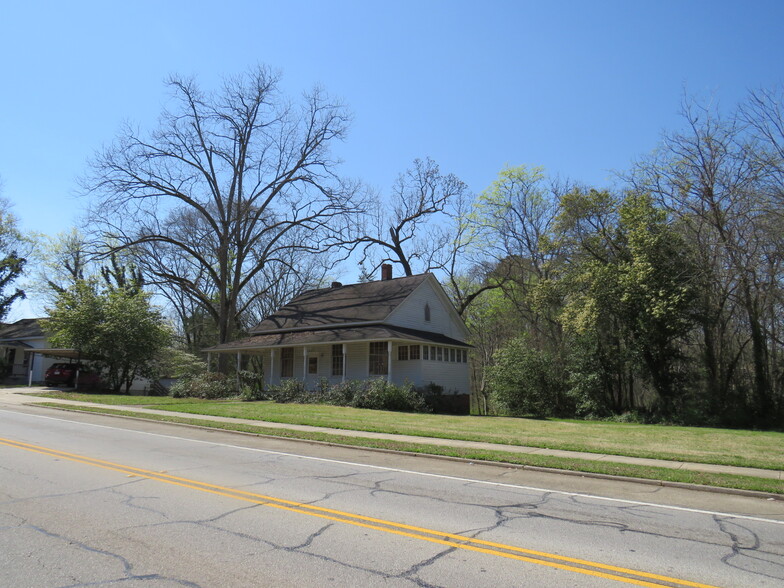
(252, 386)
(208, 386)
(381, 395)
(177, 363)
(290, 390)
(523, 382)
(374, 394)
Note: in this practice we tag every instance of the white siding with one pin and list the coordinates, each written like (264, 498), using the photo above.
(409, 370)
(411, 313)
(452, 376)
(357, 361)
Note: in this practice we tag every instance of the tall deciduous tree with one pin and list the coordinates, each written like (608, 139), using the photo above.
(404, 229)
(720, 176)
(227, 187)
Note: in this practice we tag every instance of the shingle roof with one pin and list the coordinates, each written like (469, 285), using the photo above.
(336, 335)
(21, 329)
(354, 303)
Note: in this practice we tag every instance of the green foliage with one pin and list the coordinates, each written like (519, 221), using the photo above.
(251, 385)
(381, 395)
(629, 299)
(207, 386)
(525, 381)
(12, 259)
(374, 394)
(177, 363)
(118, 328)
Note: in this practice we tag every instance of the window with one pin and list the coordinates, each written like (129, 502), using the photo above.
(402, 352)
(427, 313)
(465, 356)
(378, 364)
(451, 355)
(432, 353)
(287, 362)
(440, 353)
(425, 352)
(413, 352)
(337, 360)
(313, 365)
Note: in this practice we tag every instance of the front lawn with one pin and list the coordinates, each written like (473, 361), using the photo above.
(760, 449)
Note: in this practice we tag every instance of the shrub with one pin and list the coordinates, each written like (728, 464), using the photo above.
(289, 390)
(177, 363)
(523, 381)
(343, 394)
(208, 386)
(381, 395)
(252, 386)
(375, 394)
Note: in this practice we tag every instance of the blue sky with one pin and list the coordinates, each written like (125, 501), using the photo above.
(582, 88)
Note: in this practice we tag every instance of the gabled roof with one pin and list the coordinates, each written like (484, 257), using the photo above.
(21, 329)
(370, 302)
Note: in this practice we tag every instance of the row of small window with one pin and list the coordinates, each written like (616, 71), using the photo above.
(377, 358)
(432, 353)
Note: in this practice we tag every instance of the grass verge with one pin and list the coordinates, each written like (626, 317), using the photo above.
(760, 449)
(570, 464)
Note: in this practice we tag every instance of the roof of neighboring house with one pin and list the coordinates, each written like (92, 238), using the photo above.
(336, 335)
(354, 303)
(21, 329)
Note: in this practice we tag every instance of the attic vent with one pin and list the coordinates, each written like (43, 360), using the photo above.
(427, 313)
(336, 284)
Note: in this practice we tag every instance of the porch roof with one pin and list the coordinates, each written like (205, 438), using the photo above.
(335, 335)
(61, 353)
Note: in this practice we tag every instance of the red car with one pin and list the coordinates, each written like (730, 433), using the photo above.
(64, 374)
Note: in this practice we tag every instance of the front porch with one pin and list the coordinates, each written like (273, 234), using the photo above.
(398, 361)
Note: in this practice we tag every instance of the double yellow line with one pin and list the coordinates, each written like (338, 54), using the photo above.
(448, 539)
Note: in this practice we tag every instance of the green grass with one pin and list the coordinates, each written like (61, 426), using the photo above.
(571, 464)
(762, 449)
(119, 399)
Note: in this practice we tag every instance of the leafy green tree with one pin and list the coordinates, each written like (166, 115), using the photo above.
(630, 296)
(12, 257)
(117, 328)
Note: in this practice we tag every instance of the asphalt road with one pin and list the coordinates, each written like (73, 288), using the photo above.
(89, 500)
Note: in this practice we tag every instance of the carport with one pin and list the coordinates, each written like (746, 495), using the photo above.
(58, 353)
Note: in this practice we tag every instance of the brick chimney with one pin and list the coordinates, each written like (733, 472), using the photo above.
(336, 284)
(386, 271)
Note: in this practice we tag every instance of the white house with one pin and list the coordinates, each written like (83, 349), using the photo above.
(402, 329)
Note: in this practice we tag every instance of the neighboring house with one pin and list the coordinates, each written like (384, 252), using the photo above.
(25, 347)
(403, 330)
(17, 344)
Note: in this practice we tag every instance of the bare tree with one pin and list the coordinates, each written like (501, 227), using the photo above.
(404, 229)
(716, 179)
(222, 186)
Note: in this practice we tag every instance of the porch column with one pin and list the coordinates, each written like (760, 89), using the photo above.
(239, 366)
(30, 370)
(272, 365)
(389, 361)
(304, 365)
(344, 362)
(209, 361)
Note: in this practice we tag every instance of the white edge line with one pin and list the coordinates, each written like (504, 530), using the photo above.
(424, 474)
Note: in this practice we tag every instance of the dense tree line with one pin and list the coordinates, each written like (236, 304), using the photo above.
(664, 299)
